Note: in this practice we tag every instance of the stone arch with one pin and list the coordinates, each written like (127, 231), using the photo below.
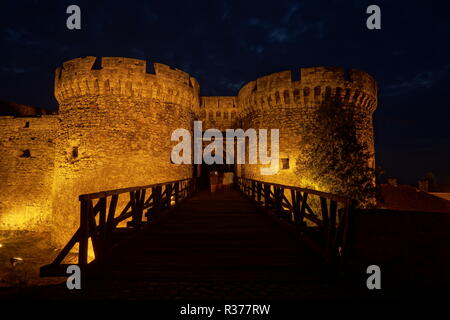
(286, 96)
(277, 98)
(297, 95)
(317, 91)
(306, 91)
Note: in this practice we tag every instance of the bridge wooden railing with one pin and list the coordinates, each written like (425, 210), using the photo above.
(100, 218)
(322, 216)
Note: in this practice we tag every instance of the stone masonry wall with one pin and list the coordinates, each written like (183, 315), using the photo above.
(115, 131)
(26, 171)
(218, 112)
(114, 127)
(277, 102)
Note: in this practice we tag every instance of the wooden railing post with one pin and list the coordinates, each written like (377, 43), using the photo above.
(303, 209)
(310, 217)
(110, 225)
(259, 192)
(141, 205)
(177, 191)
(324, 208)
(101, 232)
(295, 207)
(253, 190)
(136, 207)
(331, 249)
(168, 195)
(267, 201)
(102, 224)
(348, 217)
(157, 199)
(84, 233)
(278, 199)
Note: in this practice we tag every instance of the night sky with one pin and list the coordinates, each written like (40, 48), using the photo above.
(225, 44)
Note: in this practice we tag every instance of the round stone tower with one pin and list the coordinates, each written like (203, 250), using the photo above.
(277, 102)
(115, 130)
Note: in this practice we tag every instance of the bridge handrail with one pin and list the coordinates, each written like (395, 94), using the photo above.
(327, 195)
(99, 221)
(100, 194)
(318, 213)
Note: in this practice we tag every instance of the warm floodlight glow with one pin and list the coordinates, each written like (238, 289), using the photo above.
(22, 218)
(15, 260)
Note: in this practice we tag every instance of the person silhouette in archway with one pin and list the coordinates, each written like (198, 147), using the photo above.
(214, 180)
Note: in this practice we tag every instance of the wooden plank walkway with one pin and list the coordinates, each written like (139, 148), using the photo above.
(214, 246)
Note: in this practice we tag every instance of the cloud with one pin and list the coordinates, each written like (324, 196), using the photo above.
(22, 37)
(19, 35)
(423, 79)
(15, 69)
(235, 85)
(279, 35)
(255, 22)
(287, 30)
(290, 12)
(138, 52)
(225, 9)
(257, 49)
(232, 85)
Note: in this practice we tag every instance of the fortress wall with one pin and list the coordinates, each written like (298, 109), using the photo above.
(115, 122)
(278, 89)
(217, 112)
(27, 147)
(275, 101)
(119, 120)
(287, 120)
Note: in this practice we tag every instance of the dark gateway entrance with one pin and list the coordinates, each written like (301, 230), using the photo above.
(201, 171)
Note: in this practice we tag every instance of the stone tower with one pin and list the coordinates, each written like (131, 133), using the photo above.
(276, 101)
(116, 123)
(114, 127)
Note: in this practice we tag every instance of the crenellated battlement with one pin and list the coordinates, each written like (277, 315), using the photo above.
(217, 111)
(218, 102)
(278, 89)
(116, 122)
(125, 76)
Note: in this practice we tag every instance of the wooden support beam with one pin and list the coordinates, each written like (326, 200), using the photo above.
(303, 207)
(84, 233)
(93, 230)
(324, 208)
(110, 225)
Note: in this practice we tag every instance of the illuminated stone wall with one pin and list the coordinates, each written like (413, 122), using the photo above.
(26, 171)
(115, 122)
(218, 112)
(277, 102)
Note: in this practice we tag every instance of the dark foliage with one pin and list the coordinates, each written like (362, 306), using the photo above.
(336, 157)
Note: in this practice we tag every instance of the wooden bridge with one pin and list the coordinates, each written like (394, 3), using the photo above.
(171, 241)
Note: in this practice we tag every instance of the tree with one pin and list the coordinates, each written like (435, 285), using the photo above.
(334, 156)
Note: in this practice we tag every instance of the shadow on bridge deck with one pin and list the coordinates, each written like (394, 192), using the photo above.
(214, 246)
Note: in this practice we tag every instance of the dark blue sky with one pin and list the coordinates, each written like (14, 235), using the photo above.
(225, 44)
